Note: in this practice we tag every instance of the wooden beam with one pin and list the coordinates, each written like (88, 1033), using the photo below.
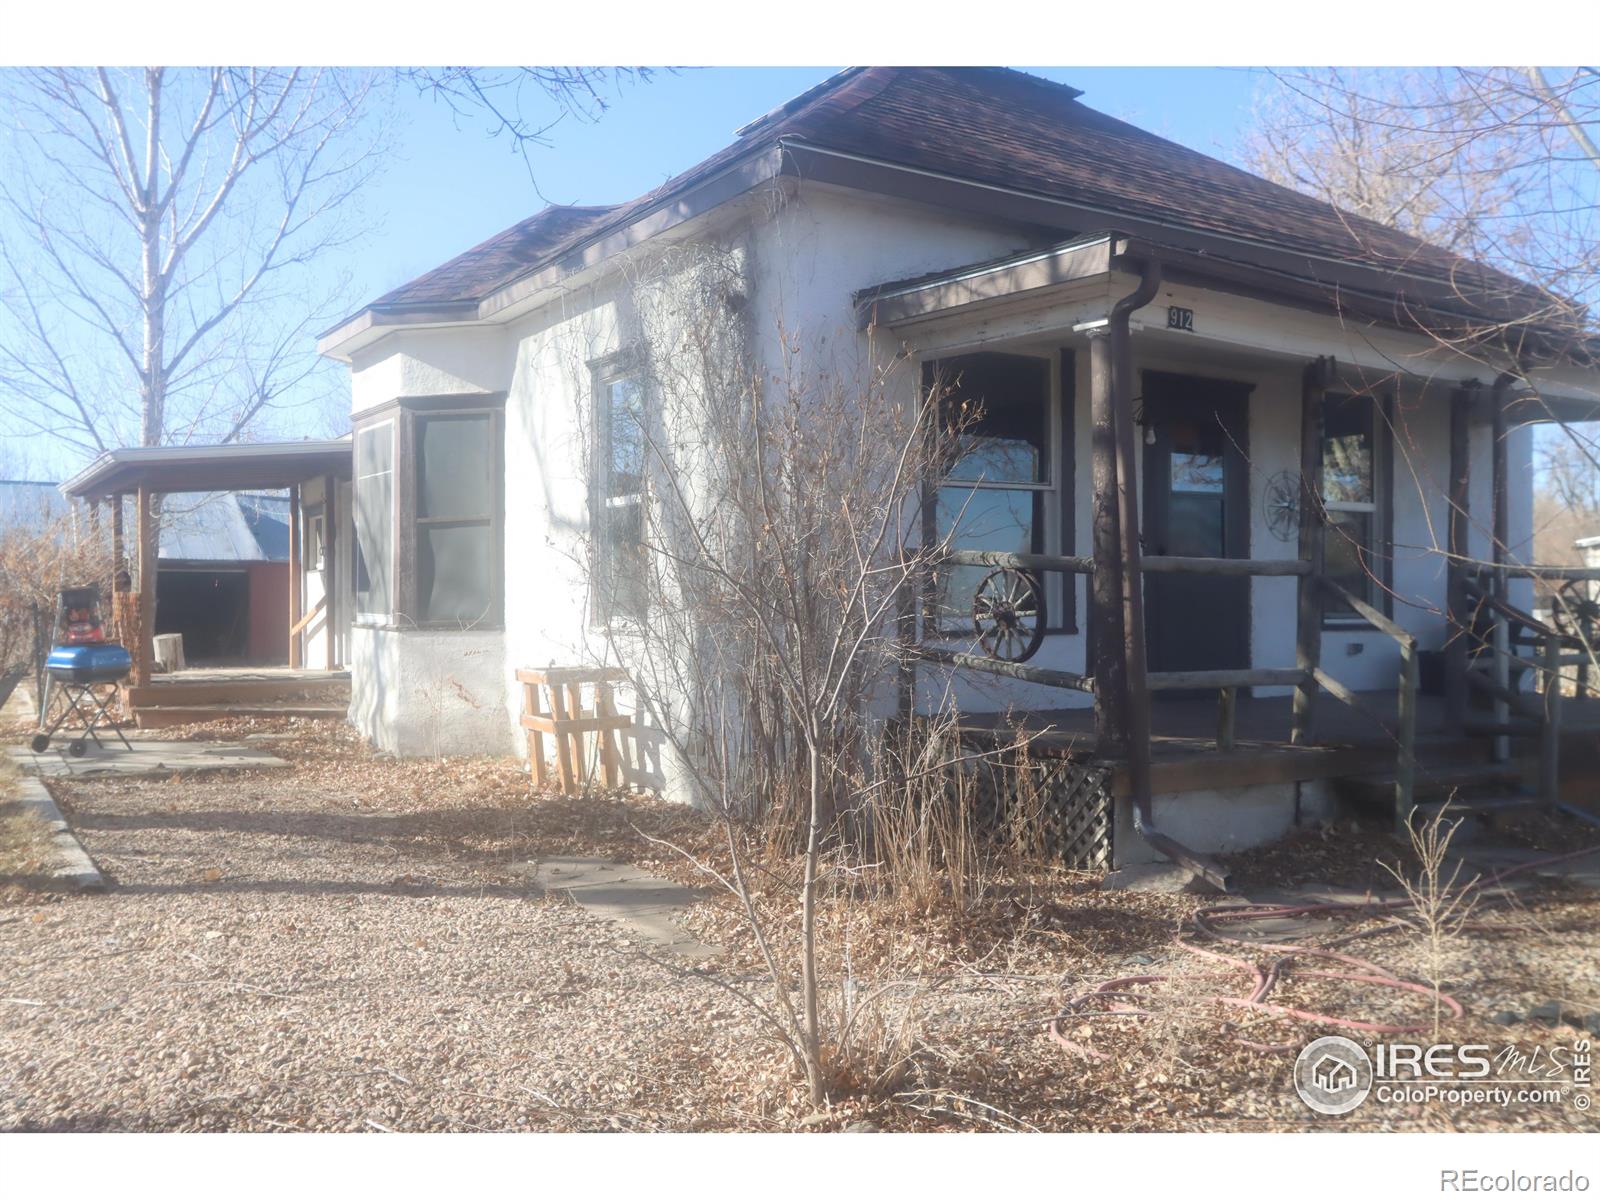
(296, 574)
(1072, 564)
(1168, 564)
(330, 568)
(1550, 728)
(145, 618)
(1227, 709)
(1365, 611)
(1500, 471)
(1313, 531)
(118, 549)
(316, 609)
(1106, 665)
(998, 666)
(1137, 700)
(1457, 609)
(1174, 681)
(1405, 736)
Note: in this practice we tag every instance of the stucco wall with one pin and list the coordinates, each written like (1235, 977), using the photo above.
(420, 692)
(803, 255)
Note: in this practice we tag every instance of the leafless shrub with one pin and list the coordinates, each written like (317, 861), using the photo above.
(1441, 903)
(36, 560)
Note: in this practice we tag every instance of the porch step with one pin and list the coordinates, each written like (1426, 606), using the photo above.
(331, 690)
(1485, 805)
(1433, 782)
(167, 715)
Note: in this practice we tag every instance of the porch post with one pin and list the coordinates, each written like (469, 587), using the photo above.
(1135, 685)
(1500, 473)
(1314, 382)
(1458, 610)
(117, 548)
(1106, 664)
(294, 577)
(145, 622)
(330, 513)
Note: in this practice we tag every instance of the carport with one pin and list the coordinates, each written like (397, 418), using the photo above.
(316, 475)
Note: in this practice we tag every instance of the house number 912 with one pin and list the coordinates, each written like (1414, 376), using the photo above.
(1180, 318)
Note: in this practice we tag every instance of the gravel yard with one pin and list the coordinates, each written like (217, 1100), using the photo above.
(354, 944)
(293, 957)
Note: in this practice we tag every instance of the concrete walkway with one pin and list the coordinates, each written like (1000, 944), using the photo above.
(1584, 871)
(147, 758)
(641, 904)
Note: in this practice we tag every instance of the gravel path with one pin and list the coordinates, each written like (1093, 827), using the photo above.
(287, 958)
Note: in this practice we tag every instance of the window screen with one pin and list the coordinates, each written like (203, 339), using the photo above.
(1351, 453)
(455, 505)
(621, 566)
(374, 519)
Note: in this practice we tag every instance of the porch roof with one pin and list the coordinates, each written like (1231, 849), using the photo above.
(210, 468)
(1392, 297)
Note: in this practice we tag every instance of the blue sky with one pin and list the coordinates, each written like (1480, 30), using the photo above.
(450, 186)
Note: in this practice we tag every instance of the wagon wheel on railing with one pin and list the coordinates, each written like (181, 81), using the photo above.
(1008, 612)
(1573, 611)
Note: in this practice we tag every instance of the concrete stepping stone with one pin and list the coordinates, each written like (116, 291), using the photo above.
(640, 903)
(147, 758)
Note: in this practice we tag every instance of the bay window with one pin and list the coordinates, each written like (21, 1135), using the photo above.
(429, 504)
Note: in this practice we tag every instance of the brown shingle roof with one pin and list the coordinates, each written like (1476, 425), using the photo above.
(1006, 129)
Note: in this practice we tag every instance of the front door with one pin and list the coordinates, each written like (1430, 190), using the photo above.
(1196, 505)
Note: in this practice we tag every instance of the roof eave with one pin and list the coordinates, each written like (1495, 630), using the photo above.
(764, 163)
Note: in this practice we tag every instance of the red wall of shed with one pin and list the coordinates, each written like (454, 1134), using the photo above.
(269, 613)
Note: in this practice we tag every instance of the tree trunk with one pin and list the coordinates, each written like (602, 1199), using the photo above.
(808, 932)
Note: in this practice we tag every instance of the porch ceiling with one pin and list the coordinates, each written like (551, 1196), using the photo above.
(210, 468)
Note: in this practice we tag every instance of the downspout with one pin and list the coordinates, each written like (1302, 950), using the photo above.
(1137, 671)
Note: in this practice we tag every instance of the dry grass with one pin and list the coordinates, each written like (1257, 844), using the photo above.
(940, 994)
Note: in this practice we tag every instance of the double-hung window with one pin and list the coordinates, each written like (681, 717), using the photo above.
(1354, 463)
(993, 495)
(620, 567)
(456, 528)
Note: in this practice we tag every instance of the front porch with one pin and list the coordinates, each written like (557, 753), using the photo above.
(1276, 514)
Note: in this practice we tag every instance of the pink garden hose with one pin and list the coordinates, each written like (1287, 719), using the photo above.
(1123, 1001)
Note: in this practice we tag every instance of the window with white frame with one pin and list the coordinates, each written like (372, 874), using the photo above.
(1354, 463)
(994, 495)
(620, 565)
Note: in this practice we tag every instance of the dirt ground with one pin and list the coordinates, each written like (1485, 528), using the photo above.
(355, 945)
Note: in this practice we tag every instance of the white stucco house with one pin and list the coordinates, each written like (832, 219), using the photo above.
(996, 226)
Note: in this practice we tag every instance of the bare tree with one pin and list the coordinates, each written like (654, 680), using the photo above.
(524, 104)
(154, 220)
(750, 582)
(1500, 165)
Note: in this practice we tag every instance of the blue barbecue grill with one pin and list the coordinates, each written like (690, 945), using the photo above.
(81, 662)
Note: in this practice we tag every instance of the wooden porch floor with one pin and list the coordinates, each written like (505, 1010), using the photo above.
(1184, 756)
(206, 693)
